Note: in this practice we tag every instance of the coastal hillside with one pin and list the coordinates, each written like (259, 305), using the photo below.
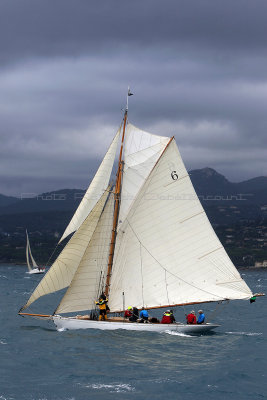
(237, 211)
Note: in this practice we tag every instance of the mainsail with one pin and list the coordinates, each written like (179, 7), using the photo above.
(95, 190)
(167, 252)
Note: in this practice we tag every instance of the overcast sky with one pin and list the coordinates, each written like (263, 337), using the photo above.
(197, 68)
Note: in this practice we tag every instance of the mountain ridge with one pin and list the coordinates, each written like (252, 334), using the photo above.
(206, 181)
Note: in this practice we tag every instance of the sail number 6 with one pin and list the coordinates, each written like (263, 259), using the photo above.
(174, 175)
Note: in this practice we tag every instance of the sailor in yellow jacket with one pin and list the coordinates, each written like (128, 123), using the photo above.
(103, 307)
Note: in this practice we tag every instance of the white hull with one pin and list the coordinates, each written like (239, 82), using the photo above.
(74, 323)
(37, 271)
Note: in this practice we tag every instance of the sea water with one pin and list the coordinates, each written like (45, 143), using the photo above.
(39, 363)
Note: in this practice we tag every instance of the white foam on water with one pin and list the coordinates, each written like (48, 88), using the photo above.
(165, 380)
(61, 329)
(112, 388)
(177, 333)
(245, 333)
(45, 398)
(2, 341)
(6, 398)
(3, 276)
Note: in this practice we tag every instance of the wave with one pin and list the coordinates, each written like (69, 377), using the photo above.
(245, 333)
(177, 333)
(112, 388)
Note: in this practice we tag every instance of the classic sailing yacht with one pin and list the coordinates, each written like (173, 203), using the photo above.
(146, 242)
(34, 269)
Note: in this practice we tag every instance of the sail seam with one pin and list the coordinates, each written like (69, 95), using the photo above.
(213, 251)
(195, 215)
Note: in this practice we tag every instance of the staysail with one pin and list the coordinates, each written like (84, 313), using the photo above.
(141, 151)
(62, 271)
(90, 275)
(95, 190)
(167, 252)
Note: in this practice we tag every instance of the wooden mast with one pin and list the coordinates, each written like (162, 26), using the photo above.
(117, 194)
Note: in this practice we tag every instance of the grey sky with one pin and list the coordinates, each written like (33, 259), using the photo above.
(198, 70)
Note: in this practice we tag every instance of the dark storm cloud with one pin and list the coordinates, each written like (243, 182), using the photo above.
(197, 68)
(65, 27)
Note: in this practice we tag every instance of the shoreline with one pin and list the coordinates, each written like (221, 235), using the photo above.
(22, 264)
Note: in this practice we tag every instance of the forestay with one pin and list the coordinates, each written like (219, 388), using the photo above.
(167, 253)
(62, 271)
(95, 190)
(91, 272)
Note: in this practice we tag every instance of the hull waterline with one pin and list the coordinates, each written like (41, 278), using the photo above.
(74, 323)
(36, 271)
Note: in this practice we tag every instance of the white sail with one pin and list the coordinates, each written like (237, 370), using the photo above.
(62, 271)
(90, 276)
(167, 252)
(95, 190)
(32, 259)
(27, 252)
(141, 151)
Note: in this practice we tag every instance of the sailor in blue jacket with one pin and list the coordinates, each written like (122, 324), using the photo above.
(144, 315)
(201, 317)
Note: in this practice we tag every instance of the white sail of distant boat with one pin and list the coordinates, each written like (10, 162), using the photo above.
(145, 242)
(33, 268)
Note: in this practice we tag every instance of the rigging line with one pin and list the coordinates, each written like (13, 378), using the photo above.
(171, 273)
(215, 311)
(142, 275)
(53, 252)
(184, 310)
(167, 287)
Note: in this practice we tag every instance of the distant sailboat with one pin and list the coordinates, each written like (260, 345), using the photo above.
(146, 242)
(33, 269)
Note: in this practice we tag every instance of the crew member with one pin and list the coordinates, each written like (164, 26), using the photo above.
(201, 317)
(103, 307)
(135, 315)
(128, 313)
(143, 315)
(167, 318)
(191, 318)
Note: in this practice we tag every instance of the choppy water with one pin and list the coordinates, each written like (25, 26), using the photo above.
(39, 363)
